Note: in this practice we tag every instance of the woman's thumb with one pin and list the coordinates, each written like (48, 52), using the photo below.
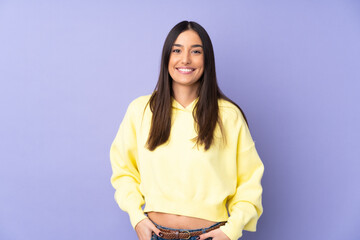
(158, 232)
(204, 236)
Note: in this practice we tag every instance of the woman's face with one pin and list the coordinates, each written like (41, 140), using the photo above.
(186, 63)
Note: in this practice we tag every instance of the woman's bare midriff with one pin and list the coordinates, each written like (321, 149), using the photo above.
(178, 221)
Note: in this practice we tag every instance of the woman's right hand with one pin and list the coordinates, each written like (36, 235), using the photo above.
(144, 229)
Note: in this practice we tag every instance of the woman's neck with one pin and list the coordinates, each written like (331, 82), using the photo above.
(184, 95)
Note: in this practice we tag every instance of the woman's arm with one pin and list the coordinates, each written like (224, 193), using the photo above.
(125, 177)
(245, 206)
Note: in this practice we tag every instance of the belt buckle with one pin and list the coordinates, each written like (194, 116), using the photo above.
(188, 236)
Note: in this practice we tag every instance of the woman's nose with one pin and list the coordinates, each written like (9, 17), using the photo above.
(186, 58)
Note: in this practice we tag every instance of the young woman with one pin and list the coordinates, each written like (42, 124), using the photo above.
(185, 151)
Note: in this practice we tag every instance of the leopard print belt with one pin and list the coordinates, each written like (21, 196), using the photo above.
(175, 234)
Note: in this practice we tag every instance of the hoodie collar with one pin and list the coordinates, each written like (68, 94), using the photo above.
(188, 108)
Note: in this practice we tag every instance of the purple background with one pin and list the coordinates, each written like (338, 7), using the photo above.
(69, 69)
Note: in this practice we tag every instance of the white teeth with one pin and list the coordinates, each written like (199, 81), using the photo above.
(185, 70)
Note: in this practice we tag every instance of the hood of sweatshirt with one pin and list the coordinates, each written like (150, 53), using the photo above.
(189, 108)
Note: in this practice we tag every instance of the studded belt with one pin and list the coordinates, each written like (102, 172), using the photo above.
(176, 234)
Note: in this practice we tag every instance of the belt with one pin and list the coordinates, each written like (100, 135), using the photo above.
(176, 234)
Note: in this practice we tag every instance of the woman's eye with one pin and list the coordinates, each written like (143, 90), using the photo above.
(178, 51)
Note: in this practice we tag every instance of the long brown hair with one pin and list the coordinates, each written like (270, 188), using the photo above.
(206, 110)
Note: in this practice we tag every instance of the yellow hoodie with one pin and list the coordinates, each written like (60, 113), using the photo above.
(179, 178)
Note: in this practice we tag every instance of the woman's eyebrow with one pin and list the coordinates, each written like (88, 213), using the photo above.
(179, 45)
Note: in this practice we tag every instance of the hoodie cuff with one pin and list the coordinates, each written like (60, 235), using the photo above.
(136, 216)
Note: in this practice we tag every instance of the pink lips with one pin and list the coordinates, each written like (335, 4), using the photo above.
(187, 72)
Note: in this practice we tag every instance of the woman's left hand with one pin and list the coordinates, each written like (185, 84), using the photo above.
(215, 234)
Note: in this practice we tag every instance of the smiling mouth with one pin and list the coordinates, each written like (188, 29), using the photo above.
(185, 70)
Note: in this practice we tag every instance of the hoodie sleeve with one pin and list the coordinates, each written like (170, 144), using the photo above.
(125, 174)
(245, 206)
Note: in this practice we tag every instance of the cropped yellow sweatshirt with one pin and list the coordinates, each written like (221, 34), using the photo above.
(179, 178)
